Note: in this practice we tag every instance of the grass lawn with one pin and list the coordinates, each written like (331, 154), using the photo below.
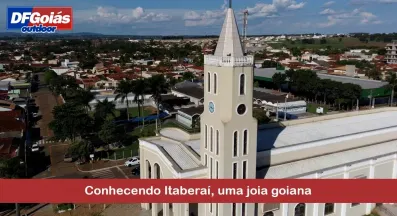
(127, 151)
(132, 111)
(133, 149)
(332, 42)
(311, 108)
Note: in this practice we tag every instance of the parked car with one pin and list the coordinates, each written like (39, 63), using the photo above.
(136, 171)
(132, 161)
(35, 147)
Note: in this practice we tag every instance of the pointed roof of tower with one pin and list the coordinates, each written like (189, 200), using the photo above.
(229, 43)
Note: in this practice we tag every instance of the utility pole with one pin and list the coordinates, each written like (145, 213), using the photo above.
(245, 22)
(17, 210)
(27, 129)
(285, 108)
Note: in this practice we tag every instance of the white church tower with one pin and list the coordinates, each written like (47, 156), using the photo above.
(228, 129)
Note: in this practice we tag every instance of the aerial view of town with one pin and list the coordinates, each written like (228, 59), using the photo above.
(229, 104)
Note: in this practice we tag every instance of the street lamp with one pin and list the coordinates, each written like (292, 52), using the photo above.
(285, 108)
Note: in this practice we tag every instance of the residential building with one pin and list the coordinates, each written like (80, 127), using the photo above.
(230, 145)
(391, 55)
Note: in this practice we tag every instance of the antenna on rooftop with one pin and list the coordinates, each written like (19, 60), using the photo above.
(230, 3)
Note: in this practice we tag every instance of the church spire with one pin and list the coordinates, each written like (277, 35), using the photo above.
(229, 43)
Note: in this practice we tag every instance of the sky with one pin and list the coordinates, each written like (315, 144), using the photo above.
(205, 17)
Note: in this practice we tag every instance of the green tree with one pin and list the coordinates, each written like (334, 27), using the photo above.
(188, 76)
(139, 89)
(295, 51)
(392, 80)
(49, 75)
(124, 88)
(82, 149)
(70, 122)
(373, 74)
(199, 61)
(83, 97)
(279, 79)
(382, 51)
(157, 86)
(109, 133)
(102, 110)
(10, 168)
(196, 122)
(269, 64)
(63, 85)
(260, 115)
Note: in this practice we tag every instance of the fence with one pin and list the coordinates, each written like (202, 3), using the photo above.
(118, 154)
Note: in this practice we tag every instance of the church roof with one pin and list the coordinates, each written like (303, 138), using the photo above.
(325, 131)
(229, 43)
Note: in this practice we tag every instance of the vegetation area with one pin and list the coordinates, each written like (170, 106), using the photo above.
(329, 43)
(65, 206)
(306, 84)
(89, 130)
(10, 168)
(312, 108)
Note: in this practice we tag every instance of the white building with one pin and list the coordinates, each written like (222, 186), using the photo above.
(391, 55)
(230, 145)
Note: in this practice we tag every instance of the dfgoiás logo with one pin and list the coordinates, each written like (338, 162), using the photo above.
(40, 19)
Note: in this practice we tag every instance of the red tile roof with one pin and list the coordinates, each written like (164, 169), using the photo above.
(9, 124)
(11, 114)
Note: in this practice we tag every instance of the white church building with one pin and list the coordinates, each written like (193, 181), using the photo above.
(360, 144)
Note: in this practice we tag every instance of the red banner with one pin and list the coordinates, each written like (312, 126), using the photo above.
(198, 191)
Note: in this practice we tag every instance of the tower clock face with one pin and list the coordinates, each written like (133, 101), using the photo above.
(211, 107)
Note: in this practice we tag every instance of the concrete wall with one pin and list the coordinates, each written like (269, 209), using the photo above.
(381, 168)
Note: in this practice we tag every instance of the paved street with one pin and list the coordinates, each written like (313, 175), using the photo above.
(46, 102)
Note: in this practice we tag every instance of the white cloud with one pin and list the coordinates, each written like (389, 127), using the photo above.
(270, 10)
(355, 16)
(137, 12)
(206, 18)
(361, 2)
(367, 17)
(329, 3)
(194, 18)
(110, 15)
(388, 1)
(327, 11)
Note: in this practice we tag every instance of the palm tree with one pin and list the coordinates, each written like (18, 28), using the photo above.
(157, 85)
(139, 89)
(84, 97)
(392, 80)
(103, 109)
(124, 88)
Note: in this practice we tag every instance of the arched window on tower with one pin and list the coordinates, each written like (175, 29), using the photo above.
(300, 209)
(209, 82)
(329, 208)
(215, 83)
(242, 84)
(245, 142)
(217, 142)
(235, 143)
